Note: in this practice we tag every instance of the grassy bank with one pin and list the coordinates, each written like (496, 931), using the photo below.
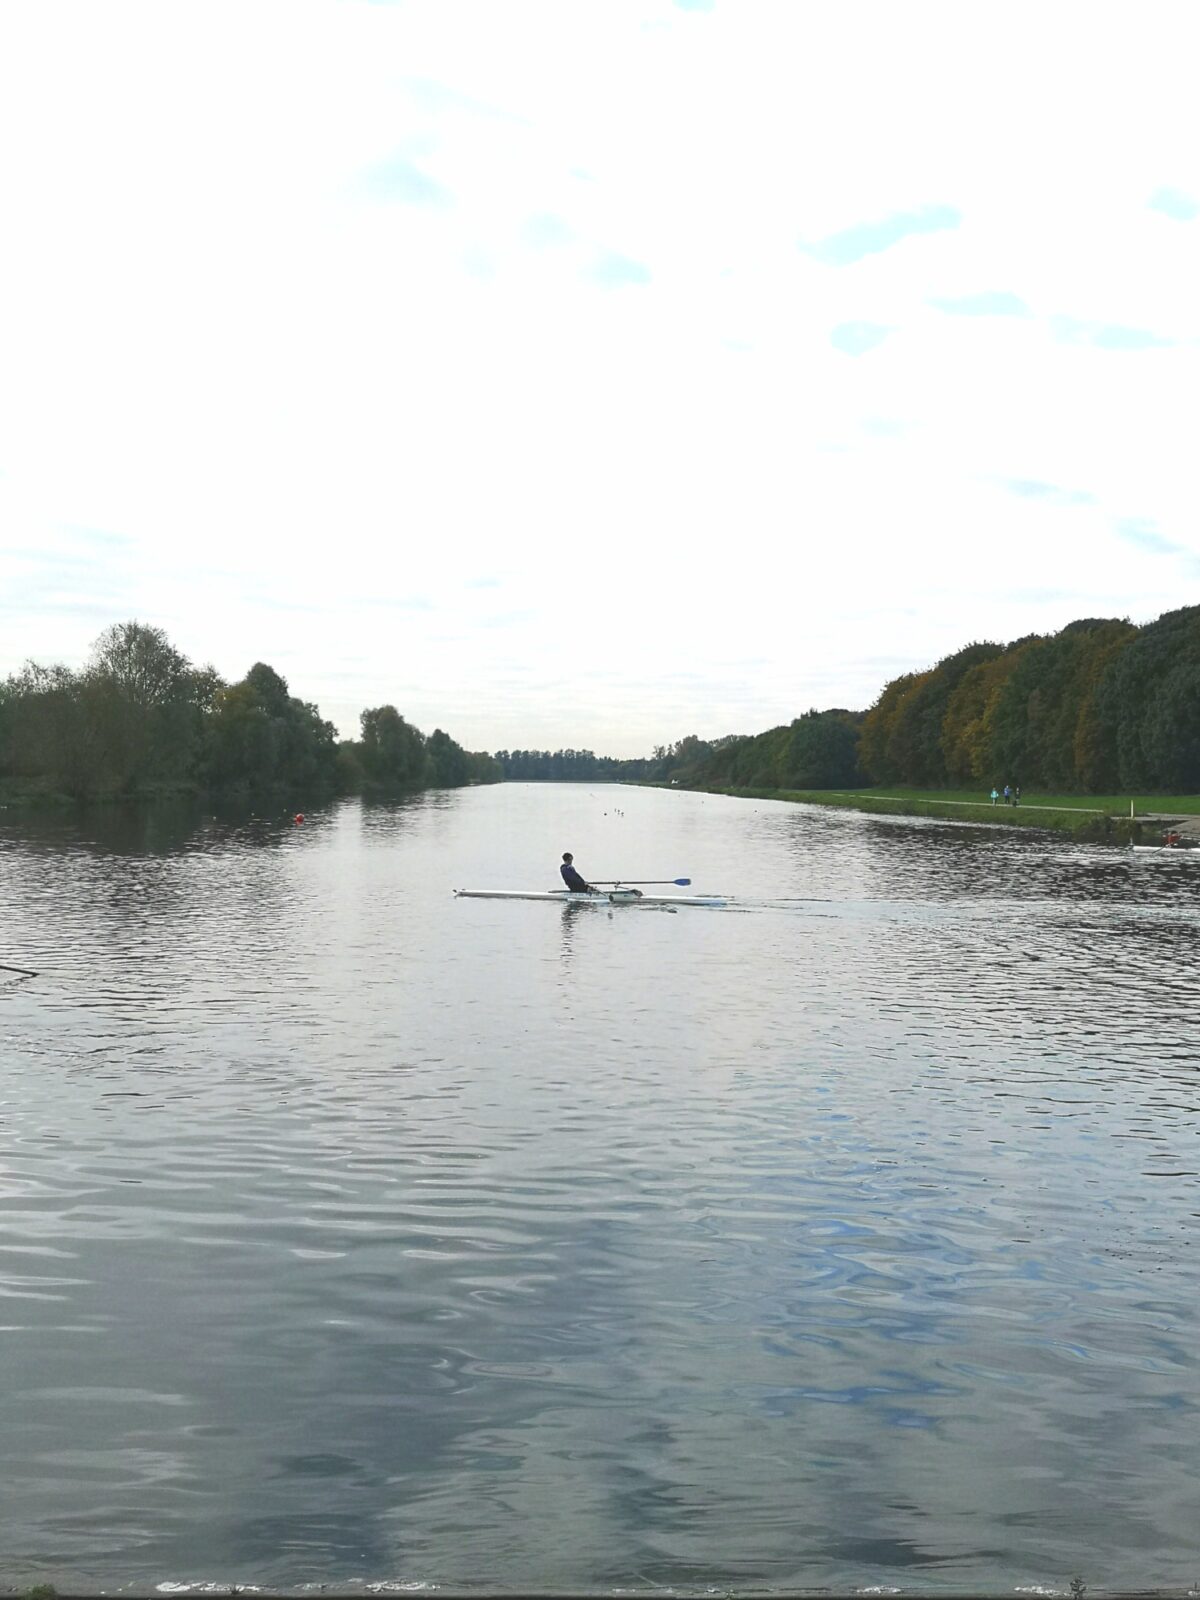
(1100, 817)
(1113, 805)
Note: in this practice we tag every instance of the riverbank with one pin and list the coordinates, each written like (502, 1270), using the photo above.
(1108, 819)
(283, 797)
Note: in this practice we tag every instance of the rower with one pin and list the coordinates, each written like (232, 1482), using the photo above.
(571, 878)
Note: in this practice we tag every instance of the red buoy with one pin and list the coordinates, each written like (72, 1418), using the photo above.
(299, 818)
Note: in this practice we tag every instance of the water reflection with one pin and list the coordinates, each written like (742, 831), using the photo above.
(352, 1231)
(162, 829)
(567, 926)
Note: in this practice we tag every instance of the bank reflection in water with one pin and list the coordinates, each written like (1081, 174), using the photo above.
(355, 1232)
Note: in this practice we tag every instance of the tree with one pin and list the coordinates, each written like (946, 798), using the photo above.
(140, 719)
(915, 751)
(821, 752)
(392, 752)
(448, 761)
(141, 663)
(483, 768)
(1148, 707)
(46, 737)
(263, 737)
(879, 752)
(145, 707)
(966, 726)
(1094, 746)
(131, 723)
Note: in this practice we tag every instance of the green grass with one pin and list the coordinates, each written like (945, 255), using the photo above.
(1116, 805)
(1097, 817)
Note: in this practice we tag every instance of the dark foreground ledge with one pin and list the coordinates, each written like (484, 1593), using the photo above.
(384, 1587)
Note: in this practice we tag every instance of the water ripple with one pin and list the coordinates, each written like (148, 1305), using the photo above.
(349, 1233)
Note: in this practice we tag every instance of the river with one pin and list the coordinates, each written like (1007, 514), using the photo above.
(351, 1233)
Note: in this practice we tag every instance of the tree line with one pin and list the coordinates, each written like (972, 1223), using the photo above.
(668, 761)
(140, 720)
(818, 750)
(564, 766)
(1100, 706)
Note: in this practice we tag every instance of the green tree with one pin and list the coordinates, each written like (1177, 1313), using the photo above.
(483, 768)
(882, 754)
(966, 725)
(821, 752)
(915, 742)
(448, 760)
(1047, 698)
(1094, 747)
(260, 736)
(47, 742)
(1083, 651)
(132, 722)
(392, 751)
(145, 707)
(1149, 699)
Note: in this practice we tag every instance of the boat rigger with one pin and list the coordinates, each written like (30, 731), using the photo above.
(608, 897)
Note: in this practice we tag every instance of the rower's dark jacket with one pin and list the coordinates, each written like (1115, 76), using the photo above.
(572, 879)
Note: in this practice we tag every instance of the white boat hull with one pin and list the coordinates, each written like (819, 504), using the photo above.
(607, 897)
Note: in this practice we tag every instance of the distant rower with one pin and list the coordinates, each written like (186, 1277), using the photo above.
(571, 878)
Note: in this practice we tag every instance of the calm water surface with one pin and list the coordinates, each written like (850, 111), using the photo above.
(349, 1232)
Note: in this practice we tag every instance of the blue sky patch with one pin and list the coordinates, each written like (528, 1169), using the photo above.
(1035, 489)
(1117, 338)
(1141, 531)
(1106, 335)
(435, 97)
(856, 338)
(1175, 203)
(870, 238)
(615, 271)
(402, 181)
(545, 231)
(988, 303)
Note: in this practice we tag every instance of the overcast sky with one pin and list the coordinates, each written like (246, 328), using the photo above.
(594, 373)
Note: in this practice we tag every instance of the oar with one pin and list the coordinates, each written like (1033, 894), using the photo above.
(24, 971)
(630, 883)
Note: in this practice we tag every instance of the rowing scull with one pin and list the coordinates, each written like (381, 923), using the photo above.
(608, 897)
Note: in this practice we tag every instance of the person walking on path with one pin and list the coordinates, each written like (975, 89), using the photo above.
(1007, 795)
(995, 794)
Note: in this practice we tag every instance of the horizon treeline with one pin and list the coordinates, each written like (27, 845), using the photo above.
(1101, 706)
(140, 720)
(579, 766)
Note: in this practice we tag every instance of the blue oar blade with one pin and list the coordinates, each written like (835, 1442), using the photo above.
(682, 882)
